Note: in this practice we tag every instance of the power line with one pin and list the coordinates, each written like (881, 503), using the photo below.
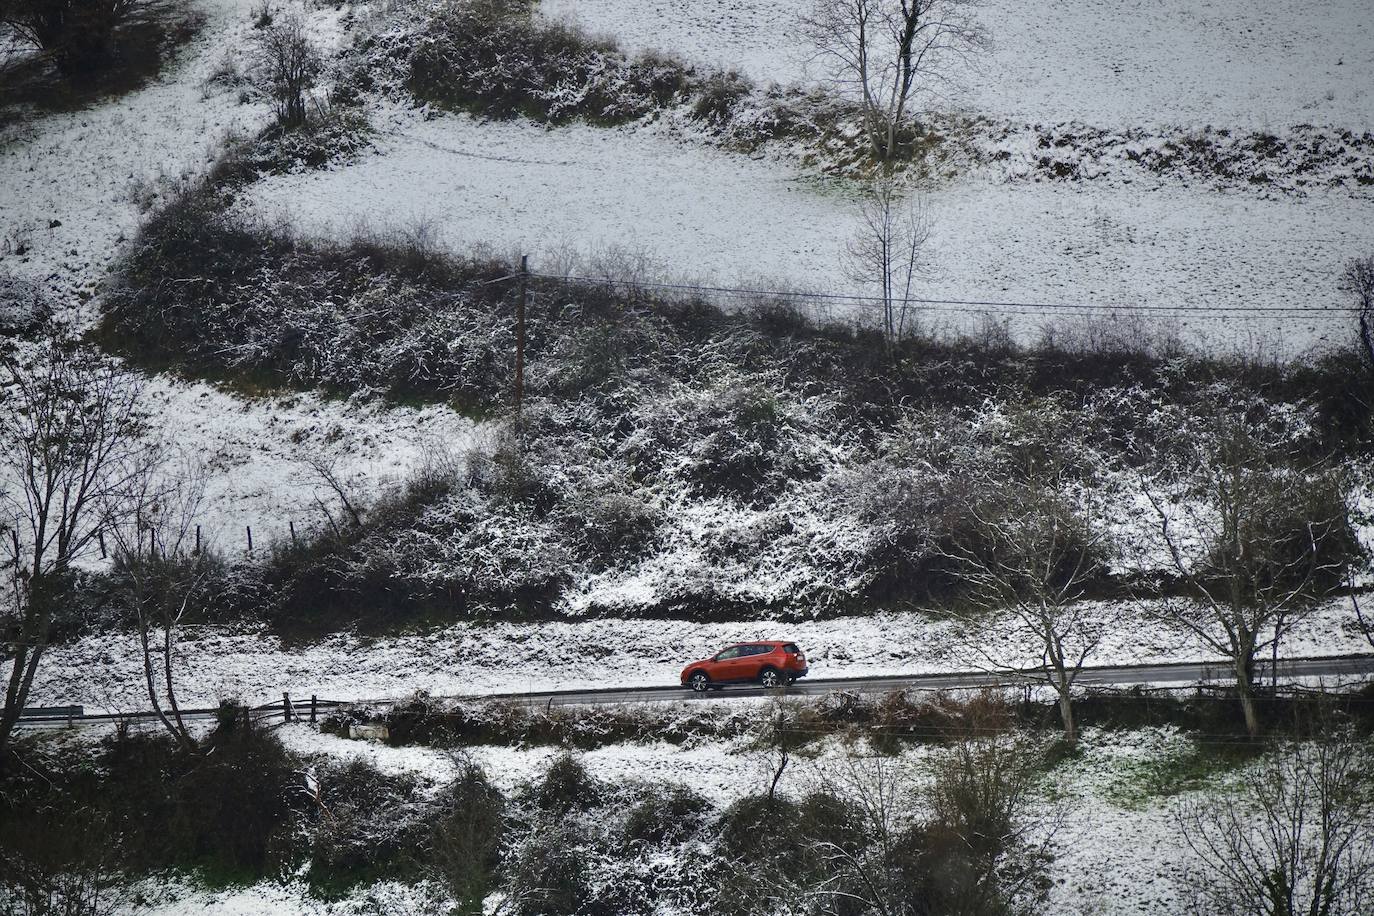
(977, 306)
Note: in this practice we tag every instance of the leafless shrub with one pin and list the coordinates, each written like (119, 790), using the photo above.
(289, 65)
(1294, 840)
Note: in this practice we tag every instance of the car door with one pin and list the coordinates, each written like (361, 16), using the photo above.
(726, 665)
(753, 661)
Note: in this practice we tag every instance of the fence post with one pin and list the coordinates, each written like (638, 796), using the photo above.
(520, 338)
(100, 535)
(285, 707)
(249, 529)
(292, 525)
(313, 702)
(197, 540)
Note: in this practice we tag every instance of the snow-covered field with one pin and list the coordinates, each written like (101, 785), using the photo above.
(91, 172)
(85, 170)
(1108, 62)
(103, 672)
(721, 217)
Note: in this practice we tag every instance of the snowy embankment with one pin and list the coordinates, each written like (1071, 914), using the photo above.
(74, 187)
(1116, 843)
(718, 217)
(104, 671)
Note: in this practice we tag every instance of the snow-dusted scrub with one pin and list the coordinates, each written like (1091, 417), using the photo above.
(978, 814)
(64, 54)
(674, 457)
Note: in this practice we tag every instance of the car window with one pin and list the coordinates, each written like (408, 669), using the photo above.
(732, 652)
(791, 648)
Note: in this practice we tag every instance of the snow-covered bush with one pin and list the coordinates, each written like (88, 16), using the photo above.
(496, 58)
(368, 824)
(466, 831)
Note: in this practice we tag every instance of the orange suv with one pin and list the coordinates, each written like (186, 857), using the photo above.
(770, 664)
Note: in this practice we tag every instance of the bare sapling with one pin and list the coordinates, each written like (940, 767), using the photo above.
(1358, 280)
(162, 576)
(888, 252)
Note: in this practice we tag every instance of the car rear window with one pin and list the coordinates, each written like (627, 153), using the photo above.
(791, 648)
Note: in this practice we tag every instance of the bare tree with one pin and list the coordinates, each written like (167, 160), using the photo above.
(1257, 539)
(1295, 840)
(888, 251)
(161, 574)
(290, 65)
(1358, 280)
(1363, 624)
(1026, 544)
(70, 449)
(888, 51)
(1030, 555)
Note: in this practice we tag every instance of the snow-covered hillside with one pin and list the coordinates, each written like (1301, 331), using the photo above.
(1184, 62)
(74, 187)
(723, 218)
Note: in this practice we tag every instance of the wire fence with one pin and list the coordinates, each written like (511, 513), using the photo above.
(981, 306)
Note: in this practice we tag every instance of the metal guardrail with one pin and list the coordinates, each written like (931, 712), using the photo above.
(286, 711)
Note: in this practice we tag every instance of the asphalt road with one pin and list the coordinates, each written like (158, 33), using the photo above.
(1171, 674)
(1177, 674)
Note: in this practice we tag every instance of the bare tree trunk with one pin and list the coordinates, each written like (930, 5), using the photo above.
(1066, 711)
(1245, 687)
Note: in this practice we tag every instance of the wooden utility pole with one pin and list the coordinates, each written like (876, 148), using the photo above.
(520, 337)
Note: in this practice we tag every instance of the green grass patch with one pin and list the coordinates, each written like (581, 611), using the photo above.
(1135, 783)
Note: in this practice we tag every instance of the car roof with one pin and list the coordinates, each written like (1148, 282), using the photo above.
(761, 642)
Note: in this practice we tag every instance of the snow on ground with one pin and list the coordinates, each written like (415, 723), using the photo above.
(169, 896)
(723, 217)
(87, 170)
(1178, 62)
(255, 451)
(84, 169)
(103, 671)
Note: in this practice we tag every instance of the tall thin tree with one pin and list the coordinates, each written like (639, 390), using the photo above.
(70, 448)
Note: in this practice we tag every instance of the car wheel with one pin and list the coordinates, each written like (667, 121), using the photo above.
(770, 678)
(699, 681)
